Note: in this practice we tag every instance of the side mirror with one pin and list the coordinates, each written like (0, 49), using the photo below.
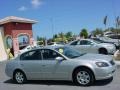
(92, 44)
(59, 58)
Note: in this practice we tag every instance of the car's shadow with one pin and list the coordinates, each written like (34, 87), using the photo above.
(65, 83)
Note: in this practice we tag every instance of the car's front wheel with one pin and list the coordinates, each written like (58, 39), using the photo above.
(19, 77)
(83, 77)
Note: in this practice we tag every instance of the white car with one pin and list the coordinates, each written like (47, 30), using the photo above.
(92, 46)
(55, 44)
(29, 47)
(112, 39)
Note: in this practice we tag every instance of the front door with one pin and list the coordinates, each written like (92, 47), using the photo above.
(87, 46)
(52, 68)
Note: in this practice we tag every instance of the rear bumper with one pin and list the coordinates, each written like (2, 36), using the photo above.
(8, 72)
(111, 51)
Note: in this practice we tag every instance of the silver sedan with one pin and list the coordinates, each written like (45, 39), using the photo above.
(92, 46)
(60, 63)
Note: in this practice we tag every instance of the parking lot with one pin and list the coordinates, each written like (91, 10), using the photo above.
(7, 84)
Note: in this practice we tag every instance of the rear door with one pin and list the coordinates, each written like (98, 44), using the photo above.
(31, 64)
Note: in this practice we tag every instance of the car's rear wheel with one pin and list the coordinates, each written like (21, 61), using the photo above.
(103, 51)
(83, 77)
(19, 77)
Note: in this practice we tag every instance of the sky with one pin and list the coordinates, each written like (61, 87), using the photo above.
(55, 16)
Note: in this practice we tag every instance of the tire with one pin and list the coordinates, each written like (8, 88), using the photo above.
(103, 51)
(19, 77)
(83, 77)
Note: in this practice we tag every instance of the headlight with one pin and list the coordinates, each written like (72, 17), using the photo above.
(102, 64)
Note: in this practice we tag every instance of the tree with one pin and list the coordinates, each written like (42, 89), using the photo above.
(40, 40)
(61, 35)
(84, 33)
(55, 36)
(69, 34)
(97, 32)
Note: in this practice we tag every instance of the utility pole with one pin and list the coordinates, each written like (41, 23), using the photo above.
(117, 22)
(52, 25)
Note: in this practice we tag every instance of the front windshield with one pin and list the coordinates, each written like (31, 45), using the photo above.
(69, 52)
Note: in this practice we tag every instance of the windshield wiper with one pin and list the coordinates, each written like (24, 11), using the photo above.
(75, 56)
(79, 55)
(82, 54)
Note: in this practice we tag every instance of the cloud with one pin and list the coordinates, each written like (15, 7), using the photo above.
(22, 8)
(36, 3)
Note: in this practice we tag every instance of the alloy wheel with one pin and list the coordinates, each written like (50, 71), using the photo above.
(83, 77)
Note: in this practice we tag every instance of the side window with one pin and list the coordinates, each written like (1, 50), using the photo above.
(49, 54)
(74, 43)
(31, 55)
(85, 42)
(28, 48)
(114, 36)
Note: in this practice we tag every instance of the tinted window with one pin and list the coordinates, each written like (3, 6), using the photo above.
(50, 43)
(96, 39)
(74, 43)
(31, 55)
(49, 54)
(114, 36)
(85, 42)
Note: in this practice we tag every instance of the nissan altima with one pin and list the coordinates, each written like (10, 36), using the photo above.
(60, 63)
(92, 46)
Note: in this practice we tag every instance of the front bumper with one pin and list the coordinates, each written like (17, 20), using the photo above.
(104, 72)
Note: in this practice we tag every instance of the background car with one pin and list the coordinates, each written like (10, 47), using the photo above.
(102, 41)
(99, 40)
(55, 44)
(112, 39)
(27, 48)
(60, 63)
(92, 46)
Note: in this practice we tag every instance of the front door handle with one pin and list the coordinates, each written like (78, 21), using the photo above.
(21, 64)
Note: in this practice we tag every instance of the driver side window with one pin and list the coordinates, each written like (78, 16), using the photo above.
(74, 43)
(49, 54)
(85, 42)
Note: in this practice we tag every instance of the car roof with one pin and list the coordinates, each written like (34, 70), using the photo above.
(44, 47)
(51, 47)
(81, 39)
